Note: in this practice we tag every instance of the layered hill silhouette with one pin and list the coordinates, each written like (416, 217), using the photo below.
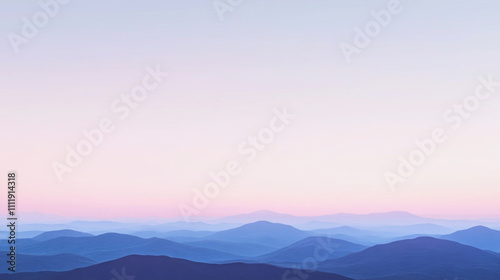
(470, 254)
(84, 245)
(160, 267)
(112, 246)
(175, 234)
(351, 234)
(162, 247)
(262, 232)
(60, 233)
(145, 228)
(423, 258)
(479, 237)
(394, 217)
(322, 248)
(60, 262)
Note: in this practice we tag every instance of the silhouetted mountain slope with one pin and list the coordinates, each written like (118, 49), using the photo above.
(381, 234)
(423, 258)
(265, 233)
(162, 247)
(84, 245)
(165, 268)
(174, 233)
(241, 249)
(354, 235)
(322, 247)
(61, 262)
(495, 253)
(60, 233)
(480, 237)
(112, 246)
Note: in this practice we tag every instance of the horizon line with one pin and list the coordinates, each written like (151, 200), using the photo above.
(211, 218)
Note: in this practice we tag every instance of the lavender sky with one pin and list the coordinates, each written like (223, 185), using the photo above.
(352, 121)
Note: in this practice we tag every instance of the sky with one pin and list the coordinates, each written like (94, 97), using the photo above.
(227, 76)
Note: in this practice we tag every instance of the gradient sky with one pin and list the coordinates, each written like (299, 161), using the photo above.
(353, 120)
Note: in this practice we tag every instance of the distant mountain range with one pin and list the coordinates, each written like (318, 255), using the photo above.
(423, 258)
(394, 218)
(159, 267)
(163, 247)
(60, 233)
(112, 246)
(374, 220)
(389, 218)
(83, 245)
(184, 235)
(382, 234)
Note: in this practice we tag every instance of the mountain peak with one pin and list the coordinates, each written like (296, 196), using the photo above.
(480, 228)
(265, 225)
(264, 232)
(60, 233)
(423, 255)
(479, 236)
